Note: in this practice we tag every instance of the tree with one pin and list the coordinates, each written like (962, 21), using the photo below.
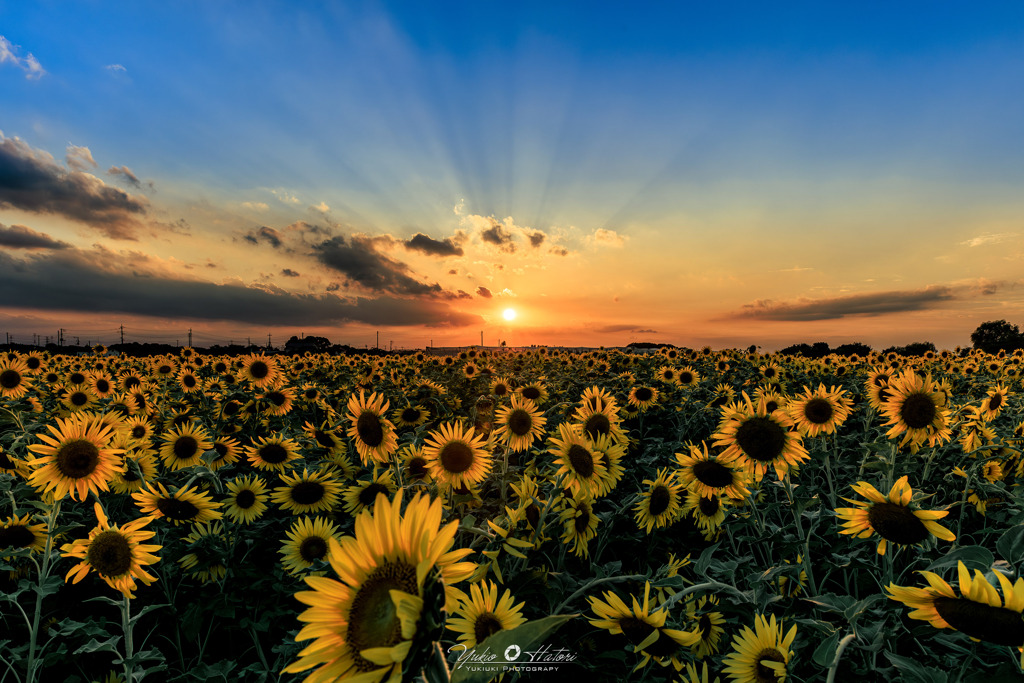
(997, 335)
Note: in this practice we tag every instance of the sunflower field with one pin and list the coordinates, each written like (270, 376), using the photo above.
(685, 515)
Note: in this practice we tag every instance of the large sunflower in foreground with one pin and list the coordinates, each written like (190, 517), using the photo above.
(757, 439)
(373, 434)
(456, 457)
(117, 554)
(916, 410)
(891, 517)
(363, 625)
(481, 614)
(76, 459)
(978, 611)
(761, 654)
(13, 380)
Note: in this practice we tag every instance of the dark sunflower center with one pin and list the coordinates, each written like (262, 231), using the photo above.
(323, 438)
(500, 389)
(897, 523)
(661, 497)
(164, 369)
(370, 430)
(456, 457)
(997, 625)
(769, 372)
(79, 398)
(705, 626)
(110, 553)
(417, 467)
(308, 492)
(16, 537)
(259, 369)
(818, 410)
(310, 394)
(995, 401)
(709, 506)
(410, 415)
(713, 474)
(231, 408)
(486, 625)
(180, 510)
(5, 462)
(532, 393)
(185, 447)
(582, 521)
(78, 459)
(189, 381)
(520, 422)
(312, 548)
(276, 397)
(918, 410)
(369, 494)
(643, 394)
(372, 619)
(33, 363)
(273, 453)
(77, 378)
(597, 424)
(130, 475)
(581, 459)
(761, 438)
(766, 674)
(10, 379)
(138, 432)
(686, 377)
(131, 382)
(771, 406)
(245, 499)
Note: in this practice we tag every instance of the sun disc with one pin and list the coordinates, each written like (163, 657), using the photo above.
(509, 314)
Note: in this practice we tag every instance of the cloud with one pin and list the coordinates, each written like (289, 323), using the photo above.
(536, 238)
(880, 303)
(288, 272)
(499, 236)
(989, 238)
(460, 207)
(607, 238)
(125, 173)
(558, 251)
(79, 158)
(484, 292)
(647, 331)
(428, 245)
(624, 328)
(29, 64)
(73, 280)
(285, 197)
(321, 207)
(264, 234)
(32, 181)
(256, 206)
(363, 265)
(22, 237)
(116, 68)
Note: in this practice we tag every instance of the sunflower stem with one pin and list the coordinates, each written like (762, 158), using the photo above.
(436, 669)
(804, 537)
(847, 639)
(594, 582)
(126, 624)
(44, 572)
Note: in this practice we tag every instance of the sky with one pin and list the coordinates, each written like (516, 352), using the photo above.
(701, 174)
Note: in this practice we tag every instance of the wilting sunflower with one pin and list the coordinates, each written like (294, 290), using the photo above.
(364, 493)
(916, 409)
(820, 411)
(579, 523)
(307, 492)
(891, 517)
(761, 654)
(247, 499)
(456, 457)
(184, 446)
(184, 506)
(757, 439)
(325, 437)
(272, 453)
(660, 504)
(208, 548)
(306, 542)
(117, 554)
(77, 458)
(978, 611)
(481, 614)
(373, 435)
(13, 380)
(260, 370)
(17, 533)
(519, 424)
(993, 402)
(365, 624)
(707, 475)
(643, 397)
(643, 628)
(581, 468)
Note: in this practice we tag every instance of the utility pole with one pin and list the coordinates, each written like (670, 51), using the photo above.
(268, 341)
(481, 337)
(377, 345)
(122, 333)
(190, 337)
(60, 337)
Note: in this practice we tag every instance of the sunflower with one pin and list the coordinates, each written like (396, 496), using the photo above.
(595, 422)
(659, 505)
(117, 554)
(643, 397)
(579, 523)
(581, 468)
(481, 614)
(415, 466)
(183, 506)
(993, 402)
(228, 450)
(247, 499)
(979, 611)
(708, 623)
(305, 493)
(892, 518)
(260, 370)
(597, 398)
(756, 439)
(277, 400)
(78, 397)
(519, 424)
(184, 446)
(761, 654)
(306, 542)
(138, 428)
(374, 435)
(707, 475)
(272, 453)
(644, 628)
(208, 546)
(365, 492)
(17, 533)
(916, 409)
(139, 467)
(820, 411)
(410, 416)
(609, 453)
(456, 457)
(325, 437)
(501, 386)
(688, 377)
(707, 512)
(535, 391)
(364, 625)
(77, 458)
(694, 676)
(13, 380)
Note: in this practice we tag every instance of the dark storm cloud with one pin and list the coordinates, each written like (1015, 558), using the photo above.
(357, 259)
(288, 272)
(72, 280)
(499, 236)
(882, 303)
(125, 173)
(21, 237)
(31, 180)
(264, 234)
(428, 245)
(484, 292)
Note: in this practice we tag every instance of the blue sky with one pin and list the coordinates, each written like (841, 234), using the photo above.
(776, 155)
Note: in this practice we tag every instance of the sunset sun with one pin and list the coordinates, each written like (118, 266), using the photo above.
(509, 314)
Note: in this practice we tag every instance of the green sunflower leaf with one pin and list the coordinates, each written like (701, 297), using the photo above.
(1011, 544)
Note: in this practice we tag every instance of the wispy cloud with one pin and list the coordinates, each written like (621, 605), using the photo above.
(880, 303)
(116, 68)
(79, 158)
(23, 237)
(607, 238)
(989, 238)
(9, 54)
